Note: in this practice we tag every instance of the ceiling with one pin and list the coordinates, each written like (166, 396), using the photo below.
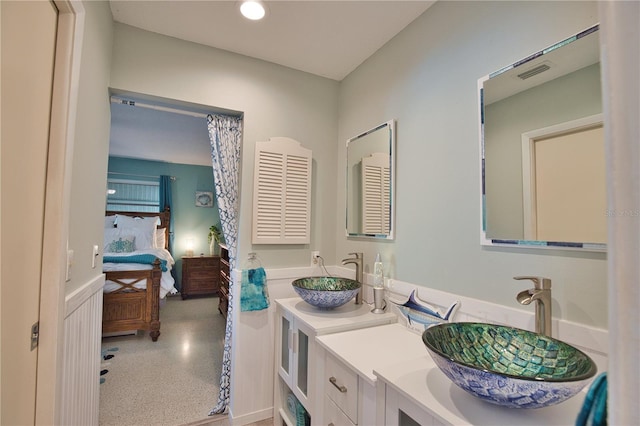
(328, 38)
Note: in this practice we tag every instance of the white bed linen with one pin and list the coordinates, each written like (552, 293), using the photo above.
(166, 281)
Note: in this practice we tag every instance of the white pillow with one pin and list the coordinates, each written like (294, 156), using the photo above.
(110, 221)
(142, 228)
(160, 240)
(118, 241)
(144, 239)
(145, 223)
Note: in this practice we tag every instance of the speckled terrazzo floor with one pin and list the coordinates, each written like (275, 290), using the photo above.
(173, 381)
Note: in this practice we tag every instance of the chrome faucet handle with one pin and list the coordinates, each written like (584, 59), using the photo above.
(540, 283)
(357, 255)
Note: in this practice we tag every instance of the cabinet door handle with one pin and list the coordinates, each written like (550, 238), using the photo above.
(295, 342)
(333, 381)
(290, 339)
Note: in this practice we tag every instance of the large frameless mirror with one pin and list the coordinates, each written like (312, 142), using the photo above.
(542, 149)
(370, 183)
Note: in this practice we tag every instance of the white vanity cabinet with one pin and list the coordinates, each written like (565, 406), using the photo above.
(347, 360)
(401, 411)
(417, 392)
(293, 366)
(297, 326)
(349, 399)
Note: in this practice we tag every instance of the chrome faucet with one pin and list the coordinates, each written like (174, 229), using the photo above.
(541, 294)
(357, 260)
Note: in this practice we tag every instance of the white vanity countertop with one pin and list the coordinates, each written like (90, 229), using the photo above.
(394, 355)
(421, 381)
(365, 349)
(345, 317)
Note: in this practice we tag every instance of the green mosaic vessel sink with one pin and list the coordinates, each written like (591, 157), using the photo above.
(508, 366)
(326, 292)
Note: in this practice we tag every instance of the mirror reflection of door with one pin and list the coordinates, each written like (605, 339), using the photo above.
(376, 193)
(555, 86)
(564, 189)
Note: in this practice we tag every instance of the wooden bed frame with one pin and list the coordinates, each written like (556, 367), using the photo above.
(130, 308)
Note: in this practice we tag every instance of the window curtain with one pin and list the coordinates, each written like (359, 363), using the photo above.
(164, 202)
(225, 135)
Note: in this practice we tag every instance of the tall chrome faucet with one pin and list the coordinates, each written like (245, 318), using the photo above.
(541, 294)
(357, 260)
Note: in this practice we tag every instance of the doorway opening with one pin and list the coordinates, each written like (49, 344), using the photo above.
(153, 136)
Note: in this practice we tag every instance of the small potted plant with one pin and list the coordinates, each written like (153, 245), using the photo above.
(214, 239)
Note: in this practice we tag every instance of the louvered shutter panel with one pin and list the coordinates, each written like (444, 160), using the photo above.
(376, 194)
(282, 192)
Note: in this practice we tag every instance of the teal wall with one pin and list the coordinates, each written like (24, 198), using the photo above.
(189, 221)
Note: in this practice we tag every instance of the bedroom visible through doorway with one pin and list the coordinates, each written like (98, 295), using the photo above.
(172, 135)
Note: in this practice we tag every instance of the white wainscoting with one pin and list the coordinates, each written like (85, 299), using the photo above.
(80, 399)
(252, 352)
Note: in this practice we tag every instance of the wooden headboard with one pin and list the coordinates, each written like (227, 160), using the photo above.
(165, 217)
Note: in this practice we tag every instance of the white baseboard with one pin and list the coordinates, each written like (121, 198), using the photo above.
(249, 418)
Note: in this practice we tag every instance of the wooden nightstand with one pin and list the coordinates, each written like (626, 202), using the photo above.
(200, 275)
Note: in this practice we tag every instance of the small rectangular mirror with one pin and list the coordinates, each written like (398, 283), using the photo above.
(370, 183)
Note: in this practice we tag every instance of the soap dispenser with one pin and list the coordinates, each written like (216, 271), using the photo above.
(378, 286)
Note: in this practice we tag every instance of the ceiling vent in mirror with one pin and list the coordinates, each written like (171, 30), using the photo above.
(534, 71)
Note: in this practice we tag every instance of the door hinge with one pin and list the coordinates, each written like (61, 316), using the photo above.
(35, 335)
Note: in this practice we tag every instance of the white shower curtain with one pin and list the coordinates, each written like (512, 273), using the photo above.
(225, 135)
(620, 41)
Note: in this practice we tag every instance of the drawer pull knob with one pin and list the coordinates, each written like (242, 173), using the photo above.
(340, 388)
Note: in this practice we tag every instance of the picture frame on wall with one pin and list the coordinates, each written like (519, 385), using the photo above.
(204, 199)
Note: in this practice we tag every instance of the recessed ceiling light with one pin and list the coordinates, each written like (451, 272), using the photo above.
(253, 10)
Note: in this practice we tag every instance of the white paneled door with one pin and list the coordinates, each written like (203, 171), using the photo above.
(28, 51)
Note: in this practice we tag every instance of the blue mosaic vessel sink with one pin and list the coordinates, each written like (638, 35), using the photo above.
(326, 292)
(508, 366)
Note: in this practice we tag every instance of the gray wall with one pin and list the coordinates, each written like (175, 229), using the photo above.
(276, 101)
(91, 146)
(426, 79)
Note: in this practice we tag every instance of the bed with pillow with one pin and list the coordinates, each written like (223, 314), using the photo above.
(137, 265)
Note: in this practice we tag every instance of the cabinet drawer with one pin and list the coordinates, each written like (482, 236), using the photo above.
(334, 415)
(202, 274)
(203, 263)
(223, 302)
(341, 386)
(203, 285)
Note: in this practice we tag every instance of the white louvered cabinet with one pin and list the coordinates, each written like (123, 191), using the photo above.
(282, 192)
